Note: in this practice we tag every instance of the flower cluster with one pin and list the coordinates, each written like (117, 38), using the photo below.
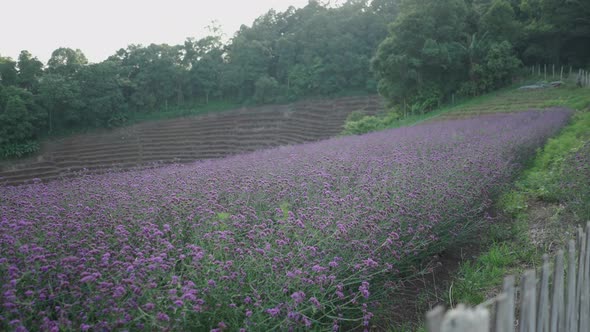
(287, 238)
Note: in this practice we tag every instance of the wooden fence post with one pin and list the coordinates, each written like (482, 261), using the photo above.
(462, 319)
(585, 304)
(501, 313)
(571, 287)
(545, 72)
(557, 303)
(580, 279)
(509, 290)
(553, 71)
(543, 306)
(434, 319)
(561, 74)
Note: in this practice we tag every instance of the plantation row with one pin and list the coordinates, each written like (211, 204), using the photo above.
(304, 236)
(189, 139)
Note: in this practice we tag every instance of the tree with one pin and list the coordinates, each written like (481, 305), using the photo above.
(61, 99)
(8, 73)
(66, 61)
(267, 89)
(420, 61)
(30, 69)
(100, 89)
(499, 22)
(15, 122)
(21, 118)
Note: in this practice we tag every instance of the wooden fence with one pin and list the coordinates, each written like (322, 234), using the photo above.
(557, 301)
(580, 77)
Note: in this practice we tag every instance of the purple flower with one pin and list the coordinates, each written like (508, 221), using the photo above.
(273, 311)
(162, 317)
(298, 297)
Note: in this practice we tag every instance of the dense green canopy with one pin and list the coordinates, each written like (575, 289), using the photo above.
(436, 48)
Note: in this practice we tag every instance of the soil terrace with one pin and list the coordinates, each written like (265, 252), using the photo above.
(188, 139)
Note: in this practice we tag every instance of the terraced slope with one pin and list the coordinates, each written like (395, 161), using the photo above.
(188, 139)
(507, 101)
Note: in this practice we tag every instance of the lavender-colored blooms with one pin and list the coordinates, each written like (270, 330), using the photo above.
(279, 238)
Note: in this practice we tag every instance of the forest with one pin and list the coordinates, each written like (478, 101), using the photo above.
(415, 53)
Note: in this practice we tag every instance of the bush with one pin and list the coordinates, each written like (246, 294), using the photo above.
(368, 123)
(18, 150)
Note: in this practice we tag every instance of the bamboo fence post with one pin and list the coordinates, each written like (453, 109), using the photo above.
(585, 305)
(571, 287)
(543, 305)
(557, 304)
(561, 74)
(545, 72)
(501, 314)
(462, 319)
(434, 319)
(580, 279)
(508, 289)
(528, 299)
(522, 304)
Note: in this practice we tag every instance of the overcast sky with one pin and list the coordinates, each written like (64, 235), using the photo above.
(100, 27)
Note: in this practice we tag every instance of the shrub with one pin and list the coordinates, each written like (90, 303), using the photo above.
(369, 123)
(18, 150)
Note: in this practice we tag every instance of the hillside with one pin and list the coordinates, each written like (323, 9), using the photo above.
(188, 139)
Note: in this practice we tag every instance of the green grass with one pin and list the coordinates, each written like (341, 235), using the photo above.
(509, 249)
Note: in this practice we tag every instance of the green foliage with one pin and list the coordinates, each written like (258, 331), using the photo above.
(355, 116)
(66, 61)
(418, 62)
(556, 31)
(20, 118)
(369, 123)
(513, 203)
(494, 71)
(436, 49)
(18, 150)
(500, 23)
(30, 70)
(266, 90)
(61, 98)
(8, 73)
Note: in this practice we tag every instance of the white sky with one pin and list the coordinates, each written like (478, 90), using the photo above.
(100, 27)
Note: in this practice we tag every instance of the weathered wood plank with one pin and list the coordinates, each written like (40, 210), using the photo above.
(557, 301)
(543, 305)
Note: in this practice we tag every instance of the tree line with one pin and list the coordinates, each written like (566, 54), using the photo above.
(416, 53)
(282, 56)
(438, 48)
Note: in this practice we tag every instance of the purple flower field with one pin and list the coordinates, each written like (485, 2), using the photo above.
(299, 237)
